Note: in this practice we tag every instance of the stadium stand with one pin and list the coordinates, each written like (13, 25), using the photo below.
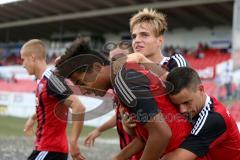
(18, 86)
(235, 110)
(212, 57)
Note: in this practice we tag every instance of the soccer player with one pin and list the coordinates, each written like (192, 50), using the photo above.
(140, 92)
(53, 96)
(147, 28)
(120, 49)
(114, 53)
(215, 134)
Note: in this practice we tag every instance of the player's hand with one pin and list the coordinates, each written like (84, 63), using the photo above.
(28, 128)
(127, 122)
(90, 139)
(134, 57)
(116, 158)
(137, 57)
(126, 119)
(75, 151)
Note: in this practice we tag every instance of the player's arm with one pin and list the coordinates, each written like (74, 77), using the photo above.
(77, 124)
(133, 57)
(133, 88)
(138, 58)
(89, 140)
(28, 128)
(176, 60)
(58, 88)
(201, 137)
(180, 154)
(159, 135)
(148, 64)
(132, 148)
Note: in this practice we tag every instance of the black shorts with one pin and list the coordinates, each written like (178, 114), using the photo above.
(45, 155)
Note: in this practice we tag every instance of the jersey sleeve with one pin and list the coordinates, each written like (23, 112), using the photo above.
(176, 60)
(207, 129)
(58, 87)
(133, 89)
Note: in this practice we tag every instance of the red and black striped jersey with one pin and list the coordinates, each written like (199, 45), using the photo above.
(174, 61)
(168, 63)
(51, 113)
(215, 134)
(143, 94)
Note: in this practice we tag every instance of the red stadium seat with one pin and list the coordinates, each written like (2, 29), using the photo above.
(211, 58)
(19, 86)
(235, 111)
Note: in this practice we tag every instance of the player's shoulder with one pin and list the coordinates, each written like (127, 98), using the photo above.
(219, 107)
(132, 72)
(208, 120)
(177, 60)
(55, 82)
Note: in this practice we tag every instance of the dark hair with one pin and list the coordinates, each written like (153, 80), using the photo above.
(182, 77)
(79, 57)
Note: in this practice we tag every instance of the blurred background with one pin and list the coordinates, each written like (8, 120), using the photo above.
(206, 32)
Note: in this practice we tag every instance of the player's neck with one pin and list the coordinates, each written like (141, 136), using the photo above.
(204, 99)
(42, 66)
(156, 58)
(203, 102)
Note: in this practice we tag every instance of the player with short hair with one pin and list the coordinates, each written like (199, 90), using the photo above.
(147, 28)
(215, 134)
(53, 96)
(116, 51)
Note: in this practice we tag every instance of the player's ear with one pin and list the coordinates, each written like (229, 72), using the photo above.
(201, 87)
(161, 40)
(97, 67)
(33, 57)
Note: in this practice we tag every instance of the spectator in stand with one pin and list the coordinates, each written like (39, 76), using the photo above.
(234, 90)
(228, 79)
(238, 91)
(206, 47)
(200, 51)
(13, 78)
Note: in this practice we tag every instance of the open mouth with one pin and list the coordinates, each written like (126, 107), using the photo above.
(139, 48)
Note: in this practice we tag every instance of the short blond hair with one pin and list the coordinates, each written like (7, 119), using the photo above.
(35, 46)
(152, 17)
